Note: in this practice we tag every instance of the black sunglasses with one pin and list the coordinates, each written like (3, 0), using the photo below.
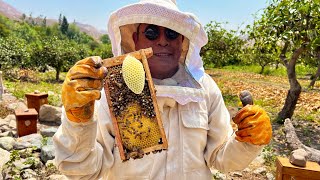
(152, 32)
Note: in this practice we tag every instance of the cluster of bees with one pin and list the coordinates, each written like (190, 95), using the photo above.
(135, 115)
(121, 95)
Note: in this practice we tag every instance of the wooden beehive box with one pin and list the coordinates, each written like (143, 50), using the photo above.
(36, 100)
(136, 118)
(287, 171)
(26, 121)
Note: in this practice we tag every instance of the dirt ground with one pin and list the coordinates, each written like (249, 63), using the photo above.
(270, 92)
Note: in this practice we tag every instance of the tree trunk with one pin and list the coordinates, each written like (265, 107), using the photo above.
(316, 76)
(295, 87)
(262, 69)
(57, 74)
(295, 143)
(313, 81)
(291, 101)
(277, 65)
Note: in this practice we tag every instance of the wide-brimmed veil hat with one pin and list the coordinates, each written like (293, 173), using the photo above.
(124, 22)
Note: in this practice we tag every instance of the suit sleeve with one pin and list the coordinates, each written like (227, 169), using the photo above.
(223, 152)
(84, 151)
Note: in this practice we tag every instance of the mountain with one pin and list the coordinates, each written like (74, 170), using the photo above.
(9, 11)
(90, 30)
(13, 14)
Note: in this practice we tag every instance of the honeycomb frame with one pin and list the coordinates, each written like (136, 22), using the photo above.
(136, 118)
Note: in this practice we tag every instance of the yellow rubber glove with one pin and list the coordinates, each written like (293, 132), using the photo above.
(82, 87)
(253, 125)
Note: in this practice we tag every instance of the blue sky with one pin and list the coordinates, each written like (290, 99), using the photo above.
(96, 12)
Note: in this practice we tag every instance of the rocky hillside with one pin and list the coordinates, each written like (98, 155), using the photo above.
(12, 13)
(9, 11)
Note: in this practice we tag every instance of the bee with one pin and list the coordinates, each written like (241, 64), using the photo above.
(129, 131)
(138, 135)
(140, 125)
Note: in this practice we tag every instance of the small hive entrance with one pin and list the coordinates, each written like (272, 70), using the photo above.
(135, 117)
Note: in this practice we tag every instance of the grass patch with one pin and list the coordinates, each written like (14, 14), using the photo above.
(230, 100)
(301, 70)
(270, 157)
(46, 84)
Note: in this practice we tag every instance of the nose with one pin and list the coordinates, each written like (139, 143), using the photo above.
(162, 40)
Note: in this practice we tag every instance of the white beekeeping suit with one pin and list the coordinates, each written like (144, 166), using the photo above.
(195, 119)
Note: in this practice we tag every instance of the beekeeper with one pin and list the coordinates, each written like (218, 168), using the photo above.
(195, 118)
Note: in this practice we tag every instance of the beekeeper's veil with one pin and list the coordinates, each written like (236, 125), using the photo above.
(124, 22)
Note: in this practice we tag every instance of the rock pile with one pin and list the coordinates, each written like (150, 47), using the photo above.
(30, 156)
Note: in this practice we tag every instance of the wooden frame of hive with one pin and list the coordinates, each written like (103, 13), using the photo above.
(135, 152)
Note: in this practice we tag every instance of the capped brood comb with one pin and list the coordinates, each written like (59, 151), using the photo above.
(133, 106)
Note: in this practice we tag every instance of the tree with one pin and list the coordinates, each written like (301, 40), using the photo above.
(104, 51)
(23, 17)
(59, 54)
(64, 25)
(105, 39)
(295, 24)
(31, 21)
(13, 53)
(4, 26)
(27, 32)
(313, 58)
(223, 47)
(263, 57)
(44, 22)
(60, 19)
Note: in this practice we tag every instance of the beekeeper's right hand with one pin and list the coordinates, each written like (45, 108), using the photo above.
(82, 87)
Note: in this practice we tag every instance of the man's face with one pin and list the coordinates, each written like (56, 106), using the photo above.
(166, 45)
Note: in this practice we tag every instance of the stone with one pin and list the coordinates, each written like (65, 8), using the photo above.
(48, 132)
(7, 143)
(298, 157)
(17, 105)
(261, 171)
(36, 162)
(25, 153)
(47, 153)
(14, 132)
(270, 176)
(8, 98)
(49, 163)
(5, 157)
(13, 124)
(7, 134)
(21, 164)
(9, 118)
(28, 174)
(7, 173)
(3, 122)
(6, 128)
(21, 145)
(50, 113)
(33, 139)
(49, 141)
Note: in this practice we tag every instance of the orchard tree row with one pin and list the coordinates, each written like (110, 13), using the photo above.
(287, 32)
(31, 44)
